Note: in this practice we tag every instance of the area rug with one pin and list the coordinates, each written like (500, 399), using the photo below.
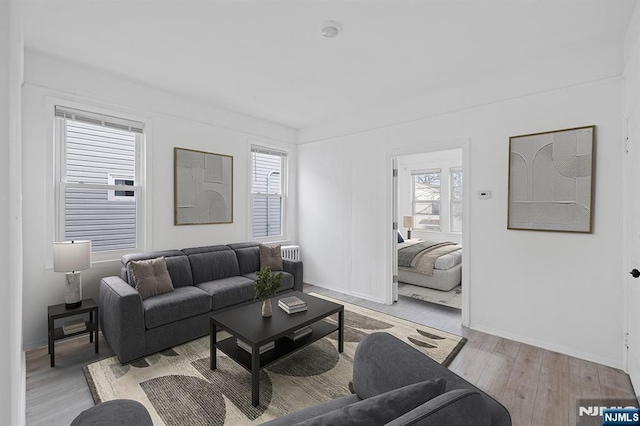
(452, 298)
(178, 388)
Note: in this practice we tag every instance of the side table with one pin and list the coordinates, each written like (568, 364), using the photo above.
(60, 311)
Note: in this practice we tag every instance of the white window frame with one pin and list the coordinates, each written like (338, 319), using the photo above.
(284, 181)
(413, 200)
(451, 200)
(143, 219)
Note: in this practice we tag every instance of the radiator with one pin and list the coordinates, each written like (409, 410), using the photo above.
(290, 252)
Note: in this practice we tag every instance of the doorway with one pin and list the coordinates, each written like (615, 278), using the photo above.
(429, 254)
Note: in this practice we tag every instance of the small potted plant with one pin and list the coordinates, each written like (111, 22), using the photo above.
(265, 287)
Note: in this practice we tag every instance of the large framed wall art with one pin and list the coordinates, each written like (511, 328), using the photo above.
(551, 180)
(203, 187)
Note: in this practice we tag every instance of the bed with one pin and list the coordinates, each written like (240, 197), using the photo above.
(430, 264)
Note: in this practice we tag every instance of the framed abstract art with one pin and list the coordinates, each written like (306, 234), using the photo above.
(203, 187)
(551, 180)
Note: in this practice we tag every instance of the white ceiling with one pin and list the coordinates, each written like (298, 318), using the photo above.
(267, 59)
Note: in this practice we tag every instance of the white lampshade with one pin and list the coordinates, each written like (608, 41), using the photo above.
(408, 221)
(71, 256)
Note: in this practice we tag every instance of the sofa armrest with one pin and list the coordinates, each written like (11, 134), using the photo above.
(122, 318)
(460, 407)
(123, 412)
(383, 362)
(294, 267)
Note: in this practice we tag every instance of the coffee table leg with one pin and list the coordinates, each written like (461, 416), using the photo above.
(255, 375)
(212, 346)
(341, 331)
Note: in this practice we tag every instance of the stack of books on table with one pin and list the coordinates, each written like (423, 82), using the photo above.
(292, 304)
(263, 348)
(74, 326)
(300, 333)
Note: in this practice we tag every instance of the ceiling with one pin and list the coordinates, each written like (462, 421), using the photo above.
(267, 59)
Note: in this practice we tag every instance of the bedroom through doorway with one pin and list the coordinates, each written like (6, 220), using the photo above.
(428, 210)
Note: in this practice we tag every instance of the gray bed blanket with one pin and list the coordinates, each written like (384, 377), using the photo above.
(407, 254)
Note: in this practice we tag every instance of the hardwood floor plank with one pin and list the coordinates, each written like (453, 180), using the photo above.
(474, 359)
(520, 393)
(553, 400)
(614, 379)
(495, 375)
(586, 373)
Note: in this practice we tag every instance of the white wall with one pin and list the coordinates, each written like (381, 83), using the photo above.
(554, 290)
(443, 160)
(174, 121)
(12, 363)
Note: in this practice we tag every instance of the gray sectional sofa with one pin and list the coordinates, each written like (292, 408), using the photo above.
(205, 279)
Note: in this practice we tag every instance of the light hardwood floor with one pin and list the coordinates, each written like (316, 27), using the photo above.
(538, 387)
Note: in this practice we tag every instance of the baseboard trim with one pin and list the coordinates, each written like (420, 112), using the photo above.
(549, 346)
(350, 293)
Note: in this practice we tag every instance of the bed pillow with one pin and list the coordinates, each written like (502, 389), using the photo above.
(400, 239)
(271, 256)
(151, 277)
(381, 409)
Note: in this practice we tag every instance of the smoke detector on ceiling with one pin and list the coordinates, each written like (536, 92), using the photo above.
(331, 29)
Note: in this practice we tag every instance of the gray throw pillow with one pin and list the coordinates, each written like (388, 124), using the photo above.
(271, 256)
(381, 409)
(151, 277)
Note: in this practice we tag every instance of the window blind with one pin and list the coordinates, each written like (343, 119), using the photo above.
(268, 151)
(99, 120)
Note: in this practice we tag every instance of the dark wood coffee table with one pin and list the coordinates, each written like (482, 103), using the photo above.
(246, 323)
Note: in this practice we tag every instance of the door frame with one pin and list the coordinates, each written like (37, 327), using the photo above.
(461, 143)
(630, 149)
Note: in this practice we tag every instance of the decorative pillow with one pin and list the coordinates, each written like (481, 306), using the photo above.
(271, 256)
(400, 239)
(381, 409)
(150, 277)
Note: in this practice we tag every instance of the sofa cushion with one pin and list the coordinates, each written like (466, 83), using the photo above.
(271, 256)
(149, 255)
(180, 271)
(205, 249)
(287, 280)
(212, 266)
(177, 264)
(313, 411)
(248, 256)
(228, 291)
(460, 407)
(383, 408)
(182, 302)
(151, 277)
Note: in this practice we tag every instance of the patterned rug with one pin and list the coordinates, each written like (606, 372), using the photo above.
(178, 388)
(452, 298)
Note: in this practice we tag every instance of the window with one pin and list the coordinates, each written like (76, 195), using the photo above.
(99, 180)
(268, 176)
(455, 222)
(426, 199)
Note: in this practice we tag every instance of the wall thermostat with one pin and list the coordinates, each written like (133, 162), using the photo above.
(483, 195)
